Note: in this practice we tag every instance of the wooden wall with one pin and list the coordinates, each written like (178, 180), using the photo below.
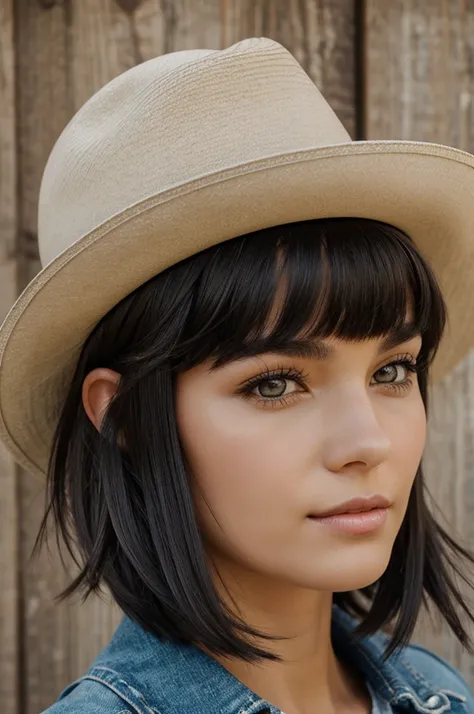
(398, 69)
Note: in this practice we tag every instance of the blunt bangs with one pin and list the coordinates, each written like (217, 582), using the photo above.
(122, 497)
(331, 278)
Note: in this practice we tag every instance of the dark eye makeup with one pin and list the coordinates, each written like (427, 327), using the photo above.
(283, 375)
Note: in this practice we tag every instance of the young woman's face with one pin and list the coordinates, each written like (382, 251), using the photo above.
(274, 438)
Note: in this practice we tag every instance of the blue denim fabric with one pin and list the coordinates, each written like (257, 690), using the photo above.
(379, 704)
(138, 673)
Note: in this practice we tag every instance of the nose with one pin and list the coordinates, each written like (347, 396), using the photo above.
(354, 439)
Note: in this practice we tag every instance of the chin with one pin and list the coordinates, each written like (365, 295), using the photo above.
(356, 580)
(346, 570)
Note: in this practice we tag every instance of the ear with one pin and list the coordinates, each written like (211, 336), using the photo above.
(98, 389)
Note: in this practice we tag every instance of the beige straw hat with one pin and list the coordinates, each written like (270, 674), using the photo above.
(185, 151)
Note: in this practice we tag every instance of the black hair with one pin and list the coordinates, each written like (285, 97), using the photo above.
(127, 514)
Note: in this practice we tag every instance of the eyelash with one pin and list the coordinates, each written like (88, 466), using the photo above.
(298, 376)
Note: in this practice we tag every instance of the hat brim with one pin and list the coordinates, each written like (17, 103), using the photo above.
(426, 190)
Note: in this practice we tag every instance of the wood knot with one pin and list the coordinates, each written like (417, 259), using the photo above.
(48, 4)
(128, 5)
(29, 245)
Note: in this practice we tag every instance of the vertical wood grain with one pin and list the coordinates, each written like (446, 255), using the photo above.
(43, 100)
(59, 640)
(9, 556)
(419, 59)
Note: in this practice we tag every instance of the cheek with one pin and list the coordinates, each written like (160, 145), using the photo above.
(407, 431)
(245, 467)
(408, 437)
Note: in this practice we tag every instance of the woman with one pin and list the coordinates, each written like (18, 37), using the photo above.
(224, 368)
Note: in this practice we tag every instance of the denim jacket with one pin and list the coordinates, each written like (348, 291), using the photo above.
(139, 673)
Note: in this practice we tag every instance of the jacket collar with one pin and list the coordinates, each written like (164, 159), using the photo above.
(174, 678)
(394, 678)
(158, 670)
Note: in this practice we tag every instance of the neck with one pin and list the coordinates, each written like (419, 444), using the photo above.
(309, 678)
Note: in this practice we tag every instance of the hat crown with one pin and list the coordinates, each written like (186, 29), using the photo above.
(171, 120)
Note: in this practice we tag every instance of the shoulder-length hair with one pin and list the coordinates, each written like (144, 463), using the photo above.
(127, 515)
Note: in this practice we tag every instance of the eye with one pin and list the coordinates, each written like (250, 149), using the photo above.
(274, 387)
(397, 374)
(392, 373)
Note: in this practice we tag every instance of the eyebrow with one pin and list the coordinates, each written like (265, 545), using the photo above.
(315, 349)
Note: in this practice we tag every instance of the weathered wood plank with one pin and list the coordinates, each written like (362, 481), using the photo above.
(9, 556)
(55, 53)
(449, 466)
(420, 86)
(42, 113)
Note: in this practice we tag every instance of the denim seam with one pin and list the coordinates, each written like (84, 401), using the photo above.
(252, 707)
(378, 673)
(418, 676)
(452, 693)
(426, 710)
(142, 708)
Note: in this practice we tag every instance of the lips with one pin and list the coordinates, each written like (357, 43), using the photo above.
(361, 504)
(360, 516)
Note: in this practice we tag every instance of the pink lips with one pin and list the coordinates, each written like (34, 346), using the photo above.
(359, 515)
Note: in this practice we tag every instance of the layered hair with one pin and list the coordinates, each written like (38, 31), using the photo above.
(127, 515)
